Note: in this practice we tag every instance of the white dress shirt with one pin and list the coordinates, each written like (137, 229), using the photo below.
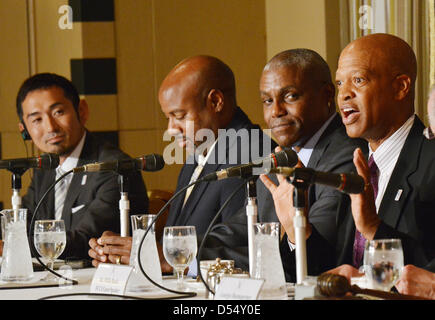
(69, 164)
(202, 160)
(386, 156)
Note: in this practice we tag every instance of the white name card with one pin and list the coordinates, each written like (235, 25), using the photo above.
(234, 288)
(110, 278)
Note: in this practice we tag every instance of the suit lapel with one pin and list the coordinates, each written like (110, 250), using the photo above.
(323, 142)
(217, 159)
(398, 188)
(177, 205)
(75, 185)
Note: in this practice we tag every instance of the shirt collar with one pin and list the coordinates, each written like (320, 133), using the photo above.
(388, 152)
(427, 132)
(305, 152)
(201, 159)
(72, 160)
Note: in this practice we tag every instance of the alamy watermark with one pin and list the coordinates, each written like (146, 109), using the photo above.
(366, 19)
(66, 19)
(231, 147)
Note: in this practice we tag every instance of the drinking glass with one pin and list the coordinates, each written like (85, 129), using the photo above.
(50, 241)
(383, 263)
(179, 249)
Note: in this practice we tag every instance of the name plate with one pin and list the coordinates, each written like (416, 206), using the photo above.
(234, 288)
(110, 279)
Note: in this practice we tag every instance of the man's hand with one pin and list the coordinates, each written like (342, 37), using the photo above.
(347, 271)
(417, 282)
(283, 199)
(109, 248)
(363, 204)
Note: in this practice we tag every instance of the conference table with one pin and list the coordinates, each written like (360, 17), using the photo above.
(35, 289)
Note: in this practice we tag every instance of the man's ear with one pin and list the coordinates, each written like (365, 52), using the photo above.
(216, 100)
(23, 130)
(21, 127)
(402, 86)
(83, 111)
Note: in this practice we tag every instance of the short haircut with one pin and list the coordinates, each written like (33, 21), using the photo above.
(43, 81)
(305, 59)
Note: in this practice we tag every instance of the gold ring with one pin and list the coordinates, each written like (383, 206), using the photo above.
(118, 260)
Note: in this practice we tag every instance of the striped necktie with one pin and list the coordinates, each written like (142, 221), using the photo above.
(359, 243)
(59, 194)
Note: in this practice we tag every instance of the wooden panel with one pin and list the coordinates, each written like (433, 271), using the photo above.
(233, 31)
(135, 65)
(14, 62)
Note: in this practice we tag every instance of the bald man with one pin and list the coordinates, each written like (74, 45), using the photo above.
(376, 86)
(199, 95)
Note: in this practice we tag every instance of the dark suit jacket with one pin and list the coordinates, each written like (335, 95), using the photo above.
(332, 153)
(99, 196)
(207, 198)
(410, 217)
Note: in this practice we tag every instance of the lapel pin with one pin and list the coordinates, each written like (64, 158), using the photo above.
(84, 179)
(398, 195)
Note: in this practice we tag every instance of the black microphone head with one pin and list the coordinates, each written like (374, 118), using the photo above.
(153, 162)
(49, 161)
(286, 158)
(354, 183)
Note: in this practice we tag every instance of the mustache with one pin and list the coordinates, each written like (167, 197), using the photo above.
(283, 123)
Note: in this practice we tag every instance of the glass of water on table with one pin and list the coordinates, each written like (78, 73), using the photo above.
(50, 241)
(383, 263)
(179, 249)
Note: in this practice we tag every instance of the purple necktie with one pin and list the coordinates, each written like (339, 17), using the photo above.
(358, 245)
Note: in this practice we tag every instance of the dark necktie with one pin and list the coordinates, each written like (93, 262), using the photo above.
(358, 245)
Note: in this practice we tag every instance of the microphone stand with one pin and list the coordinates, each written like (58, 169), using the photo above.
(16, 187)
(124, 205)
(251, 214)
(299, 223)
(305, 286)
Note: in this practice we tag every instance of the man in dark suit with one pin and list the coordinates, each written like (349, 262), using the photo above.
(376, 83)
(298, 105)
(53, 116)
(198, 97)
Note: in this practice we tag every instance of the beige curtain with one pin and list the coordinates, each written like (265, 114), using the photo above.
(412, 20)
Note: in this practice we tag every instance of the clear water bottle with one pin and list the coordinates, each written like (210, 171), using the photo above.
(149, 256)
(267, 261)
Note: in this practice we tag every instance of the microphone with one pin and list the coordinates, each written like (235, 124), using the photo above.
(44, 161)
(345, 182)
(151, 162)
(284, 158)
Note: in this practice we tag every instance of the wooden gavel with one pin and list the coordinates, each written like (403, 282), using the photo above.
(334, 285)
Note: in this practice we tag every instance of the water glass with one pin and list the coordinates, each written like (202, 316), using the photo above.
(50, 241)
(179, 249)
(383, 263)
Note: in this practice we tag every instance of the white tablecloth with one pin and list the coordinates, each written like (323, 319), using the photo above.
(84, 277)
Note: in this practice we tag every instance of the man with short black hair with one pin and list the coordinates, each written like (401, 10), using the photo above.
(52, 115)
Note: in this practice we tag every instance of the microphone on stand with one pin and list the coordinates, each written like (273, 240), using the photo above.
(284, 158)
(44, 161)
(345, 182)
(151, 162)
